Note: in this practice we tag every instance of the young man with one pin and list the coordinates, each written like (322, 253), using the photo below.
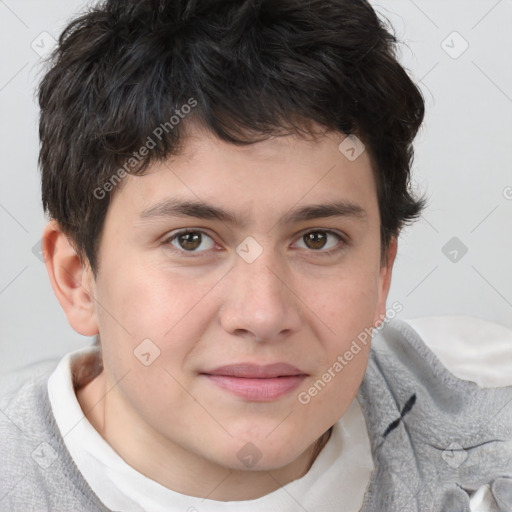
(226, 182)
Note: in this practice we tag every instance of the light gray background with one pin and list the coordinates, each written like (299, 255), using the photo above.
(463, 161)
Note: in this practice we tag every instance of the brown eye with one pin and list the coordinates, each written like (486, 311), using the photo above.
(315, 239)
(320, 240)
(191, 241)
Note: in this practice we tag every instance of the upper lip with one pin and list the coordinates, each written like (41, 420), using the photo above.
(254, 371)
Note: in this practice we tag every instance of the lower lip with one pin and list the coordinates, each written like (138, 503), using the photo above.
(258, 390)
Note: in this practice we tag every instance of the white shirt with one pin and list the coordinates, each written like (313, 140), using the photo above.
(340, 473)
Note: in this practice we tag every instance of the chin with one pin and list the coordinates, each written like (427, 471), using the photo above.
(262, 454)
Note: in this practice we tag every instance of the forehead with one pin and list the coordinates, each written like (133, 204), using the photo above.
(260, 178)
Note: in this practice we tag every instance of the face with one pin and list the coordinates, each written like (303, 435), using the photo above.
(264, 259)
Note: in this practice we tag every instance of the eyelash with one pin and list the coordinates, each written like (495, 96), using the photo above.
(343, 242)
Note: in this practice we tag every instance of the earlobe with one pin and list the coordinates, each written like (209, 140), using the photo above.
(72, 282)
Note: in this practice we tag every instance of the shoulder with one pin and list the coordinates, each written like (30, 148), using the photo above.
(21, 394)
(22, 433)
(434, 433)
(36, 470)
(404, 370)
(454, 348)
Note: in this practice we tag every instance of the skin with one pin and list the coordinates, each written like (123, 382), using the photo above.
(292, 304)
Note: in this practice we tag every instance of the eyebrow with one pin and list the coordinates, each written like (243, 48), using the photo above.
(199, 210)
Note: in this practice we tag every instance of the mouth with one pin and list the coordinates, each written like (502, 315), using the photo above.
(255, 382)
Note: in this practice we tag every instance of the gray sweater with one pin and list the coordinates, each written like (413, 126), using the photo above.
(434, 438)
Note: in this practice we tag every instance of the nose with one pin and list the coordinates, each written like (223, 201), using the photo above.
(261, 304)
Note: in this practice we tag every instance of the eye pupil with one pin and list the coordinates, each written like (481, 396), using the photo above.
(316, 238)
(190, 241)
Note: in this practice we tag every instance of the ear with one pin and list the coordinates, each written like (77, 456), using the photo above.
(72, 282)
(385, 281)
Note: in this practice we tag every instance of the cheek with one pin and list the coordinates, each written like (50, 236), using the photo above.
(345, 303)
(327, 395)
(341, 379)
(344, 311)
(153, 301)
(170, 308)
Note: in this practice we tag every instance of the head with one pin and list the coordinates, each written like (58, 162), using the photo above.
(208, 202)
